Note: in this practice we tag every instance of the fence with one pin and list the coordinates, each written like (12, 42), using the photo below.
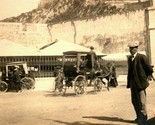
(42, 66)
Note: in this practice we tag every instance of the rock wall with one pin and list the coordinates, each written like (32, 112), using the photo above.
(31, 35)
(43, 3)
(110, 34)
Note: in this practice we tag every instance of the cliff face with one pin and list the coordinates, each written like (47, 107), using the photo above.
(89, 22)
(43, 3)
(54, 11)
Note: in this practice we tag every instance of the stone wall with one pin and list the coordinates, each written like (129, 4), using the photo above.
(32, 35)
(110, 34)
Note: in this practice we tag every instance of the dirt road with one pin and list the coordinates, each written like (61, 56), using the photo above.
(45, 108)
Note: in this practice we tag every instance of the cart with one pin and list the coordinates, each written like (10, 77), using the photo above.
(6, 77)
(74, 73)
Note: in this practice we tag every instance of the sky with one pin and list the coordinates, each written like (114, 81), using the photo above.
(9, 8)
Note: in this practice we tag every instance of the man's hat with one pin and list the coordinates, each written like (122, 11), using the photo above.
(91, 47)
(133, 44)
(16, 67)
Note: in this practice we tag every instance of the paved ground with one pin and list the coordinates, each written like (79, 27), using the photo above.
(42, 107)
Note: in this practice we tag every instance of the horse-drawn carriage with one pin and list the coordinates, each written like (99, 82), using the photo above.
(7, 77)
(75, 73)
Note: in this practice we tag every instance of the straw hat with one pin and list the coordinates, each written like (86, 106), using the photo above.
(133, 44)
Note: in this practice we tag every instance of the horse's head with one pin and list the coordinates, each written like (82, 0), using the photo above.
(105, 69)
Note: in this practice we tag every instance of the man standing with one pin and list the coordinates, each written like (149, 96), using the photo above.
(17, 78)
(91, 63)
(113, 81)
(91, 58)
(139, 72)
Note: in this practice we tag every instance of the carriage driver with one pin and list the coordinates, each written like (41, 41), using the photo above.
(91, 62)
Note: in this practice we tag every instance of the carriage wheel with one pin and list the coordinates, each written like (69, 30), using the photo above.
(98, 84)
(3, 86)
(80, 84)
(27, 83)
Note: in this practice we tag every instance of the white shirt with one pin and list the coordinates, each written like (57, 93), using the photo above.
(133, 56)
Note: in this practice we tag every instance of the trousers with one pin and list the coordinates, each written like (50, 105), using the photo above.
(138, 98)
(18, 86)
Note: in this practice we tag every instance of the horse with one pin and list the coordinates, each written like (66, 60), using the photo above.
(102, 73)
(99, 71)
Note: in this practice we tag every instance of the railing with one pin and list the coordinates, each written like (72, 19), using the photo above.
(45, 64)
(42, 66)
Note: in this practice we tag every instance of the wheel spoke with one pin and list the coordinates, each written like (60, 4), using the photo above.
(27, 83)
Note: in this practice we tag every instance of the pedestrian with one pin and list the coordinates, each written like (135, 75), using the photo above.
(113, 81)
(139, 72)
(10, 77)
(17, 78)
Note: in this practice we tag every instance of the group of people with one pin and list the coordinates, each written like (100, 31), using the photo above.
(139, 74)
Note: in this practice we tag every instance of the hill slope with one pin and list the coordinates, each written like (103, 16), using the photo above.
(54, 11)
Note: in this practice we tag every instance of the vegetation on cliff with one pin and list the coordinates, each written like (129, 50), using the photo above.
(65, 10)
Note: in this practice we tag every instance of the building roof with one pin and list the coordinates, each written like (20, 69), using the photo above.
(10, 48)
(61, 46)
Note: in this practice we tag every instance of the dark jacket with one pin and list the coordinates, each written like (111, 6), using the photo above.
(139, 70)
(17, 76)
(91, 59)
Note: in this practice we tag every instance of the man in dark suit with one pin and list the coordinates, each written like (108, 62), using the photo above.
(91, 63)
(17, 78)
(91, 58)
(139, 72)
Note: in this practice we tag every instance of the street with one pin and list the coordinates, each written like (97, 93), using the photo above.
(43, 107)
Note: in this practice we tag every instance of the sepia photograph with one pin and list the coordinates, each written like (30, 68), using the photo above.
(77, 62)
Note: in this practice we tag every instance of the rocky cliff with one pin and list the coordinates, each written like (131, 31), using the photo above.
(54, 11)
(89, 22)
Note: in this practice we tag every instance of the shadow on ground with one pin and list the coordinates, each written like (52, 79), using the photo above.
(150, 121)
(52, 94)
(72, 94)
(105, 118)
(80, 123)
